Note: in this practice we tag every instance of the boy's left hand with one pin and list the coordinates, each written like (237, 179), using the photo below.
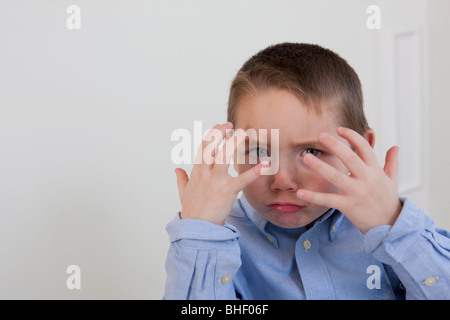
(368, 197)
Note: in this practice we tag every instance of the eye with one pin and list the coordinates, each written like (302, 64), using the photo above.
(259, 152)
(312, 151)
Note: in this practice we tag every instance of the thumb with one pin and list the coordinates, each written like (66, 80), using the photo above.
(391, 164)
(182, 180)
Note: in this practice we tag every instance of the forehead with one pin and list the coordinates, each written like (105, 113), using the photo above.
(282, 110)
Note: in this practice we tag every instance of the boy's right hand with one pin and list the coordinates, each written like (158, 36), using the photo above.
(210, 192)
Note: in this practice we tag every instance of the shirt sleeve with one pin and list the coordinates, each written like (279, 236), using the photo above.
(417, 250)
(202, 260)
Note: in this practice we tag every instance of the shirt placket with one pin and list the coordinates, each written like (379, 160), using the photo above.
(313, 271)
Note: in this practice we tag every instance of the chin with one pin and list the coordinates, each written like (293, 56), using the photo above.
(288, 221)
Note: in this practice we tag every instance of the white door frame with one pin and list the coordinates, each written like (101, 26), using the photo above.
(404, 92)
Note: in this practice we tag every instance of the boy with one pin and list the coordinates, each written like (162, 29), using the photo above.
(328, 224)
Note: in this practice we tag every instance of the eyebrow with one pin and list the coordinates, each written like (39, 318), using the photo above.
(312, 144)
(309, 144)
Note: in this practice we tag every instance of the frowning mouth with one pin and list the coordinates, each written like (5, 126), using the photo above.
(285, 207)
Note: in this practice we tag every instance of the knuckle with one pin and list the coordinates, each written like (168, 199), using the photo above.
(241, 181)
(372, 179)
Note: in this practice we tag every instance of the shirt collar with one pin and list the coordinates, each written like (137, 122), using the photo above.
(336, 221)
(258, 220)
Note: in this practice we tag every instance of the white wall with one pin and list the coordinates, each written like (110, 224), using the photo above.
(439, 109)
(86, 118)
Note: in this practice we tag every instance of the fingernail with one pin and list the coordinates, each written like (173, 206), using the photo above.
(265, 164)
(307, 158)
(300, 194)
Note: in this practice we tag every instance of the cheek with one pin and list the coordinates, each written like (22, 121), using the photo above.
(253, 193)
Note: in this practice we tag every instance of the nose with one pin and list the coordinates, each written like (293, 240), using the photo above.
(285, 179)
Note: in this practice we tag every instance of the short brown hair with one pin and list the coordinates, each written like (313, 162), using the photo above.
(317, 76)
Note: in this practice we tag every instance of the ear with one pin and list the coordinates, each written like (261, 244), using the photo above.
(369, 135)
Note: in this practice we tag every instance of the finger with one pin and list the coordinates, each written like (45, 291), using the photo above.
(362, 147)
(244, 179)
(328, 172)
(337, 147)
(207, 151)
(391, 164)
(328, 200)
(224, 156)
(182, 180)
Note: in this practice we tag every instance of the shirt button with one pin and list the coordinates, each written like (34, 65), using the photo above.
(226, 279)
(430, 281)
(333, 229)
(271, 239)
(306, 244)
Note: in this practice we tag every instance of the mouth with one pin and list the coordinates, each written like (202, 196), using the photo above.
(285, 207)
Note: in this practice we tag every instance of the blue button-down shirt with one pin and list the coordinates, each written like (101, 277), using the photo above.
(250, 258)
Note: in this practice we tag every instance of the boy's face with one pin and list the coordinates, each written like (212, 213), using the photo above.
(270, 195)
